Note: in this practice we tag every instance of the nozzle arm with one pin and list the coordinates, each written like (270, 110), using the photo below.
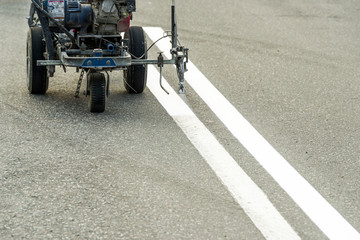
(179, 53)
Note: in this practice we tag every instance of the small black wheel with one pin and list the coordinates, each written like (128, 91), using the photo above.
(97, 89)
(135, 76)
(37, 77)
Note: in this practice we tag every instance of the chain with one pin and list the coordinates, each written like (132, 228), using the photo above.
(79, 83)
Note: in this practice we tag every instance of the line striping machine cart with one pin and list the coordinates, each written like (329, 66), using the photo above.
(95, 37)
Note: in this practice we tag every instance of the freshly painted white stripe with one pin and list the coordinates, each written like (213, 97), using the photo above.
(309, 200)
(250, 197)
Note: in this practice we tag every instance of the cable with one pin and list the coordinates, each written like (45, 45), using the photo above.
(147, 49)
(134, 57)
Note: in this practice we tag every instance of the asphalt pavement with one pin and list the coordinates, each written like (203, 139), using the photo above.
(290, 68)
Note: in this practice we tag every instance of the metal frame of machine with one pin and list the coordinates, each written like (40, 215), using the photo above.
(67, 42)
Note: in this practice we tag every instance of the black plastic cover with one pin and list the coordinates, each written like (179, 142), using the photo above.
(131, 5)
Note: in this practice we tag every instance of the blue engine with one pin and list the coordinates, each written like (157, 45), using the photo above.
(73, 14)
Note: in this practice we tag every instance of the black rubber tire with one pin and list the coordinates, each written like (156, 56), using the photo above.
(135, 77)
(37, 77)
(97, 89)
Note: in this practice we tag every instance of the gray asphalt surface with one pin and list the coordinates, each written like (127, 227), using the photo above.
(290, 67)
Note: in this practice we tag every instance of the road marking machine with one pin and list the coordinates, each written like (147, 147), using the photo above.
(96, 38)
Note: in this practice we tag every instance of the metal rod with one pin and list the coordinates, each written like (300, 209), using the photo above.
(161, 85)
(173, 26)
(133, 62)
(150, 61)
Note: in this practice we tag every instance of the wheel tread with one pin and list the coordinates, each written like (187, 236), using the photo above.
(97, 97)
(38, 81)
(135, 76)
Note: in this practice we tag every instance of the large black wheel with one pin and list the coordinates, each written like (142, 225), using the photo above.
(135, 76)
(97, 89)
(37, 78)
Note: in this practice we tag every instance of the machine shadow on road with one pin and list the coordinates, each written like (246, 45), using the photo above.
(61, 104)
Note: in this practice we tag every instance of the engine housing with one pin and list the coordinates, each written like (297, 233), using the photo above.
(104, 17)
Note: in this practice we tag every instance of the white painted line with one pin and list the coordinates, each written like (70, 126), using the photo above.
(250, 197)
(309, 200)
